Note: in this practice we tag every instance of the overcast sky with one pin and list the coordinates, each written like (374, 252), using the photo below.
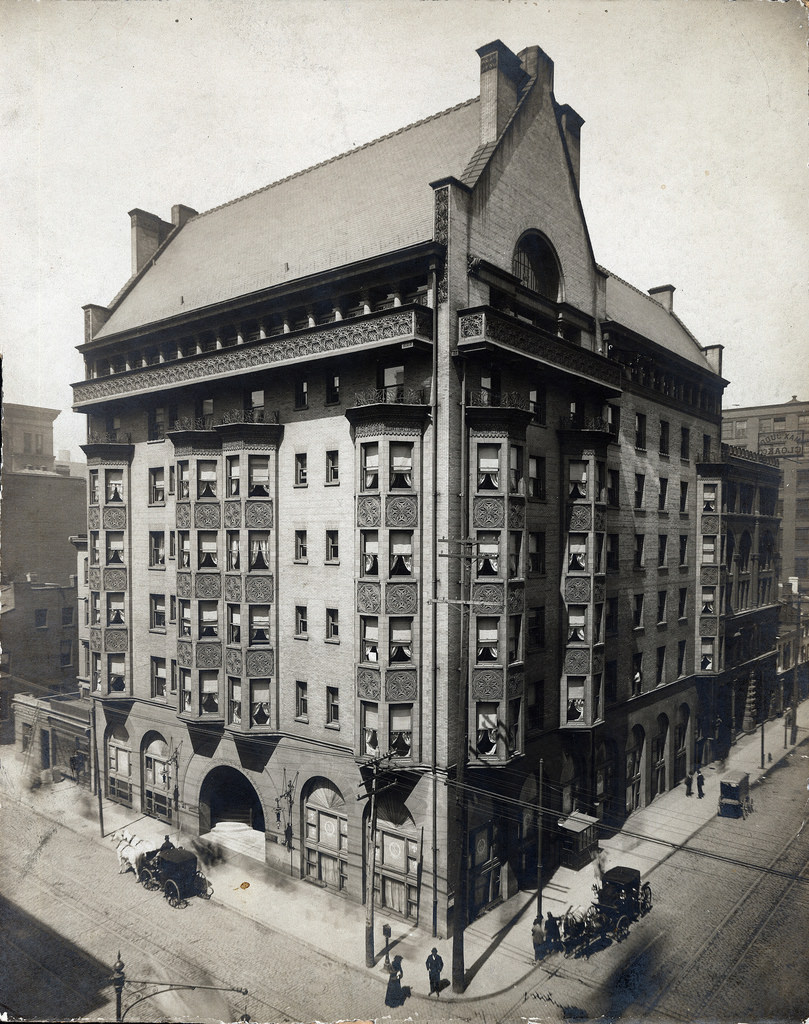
(694, 150)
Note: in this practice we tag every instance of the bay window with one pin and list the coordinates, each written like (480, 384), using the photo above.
(488, 467)
(577, 623)
(577, 480)
(486, 638)
(577, 552)
(232, 471)
(115, 547)
(488, 550)
(208, 618)
(114, 479)
(183, 490)
(401, 465)
(486, 733)
(116, 668)
(259, 702)
(515, 470)
(514, 553)
(370, 467)
(185, 618)
(575, 698)
(401, 552)
(369, 725)
(400, 735)
(234, 614)
(369, 629)
(370, 552)
(259, 624)
(234, 700)
(184, 544)
(209, 691)
(258, 476)
(115, 609)
(206, 549)
(259, 541)
(186, 695)
(401, 640)
(232, 540)
(206, 478)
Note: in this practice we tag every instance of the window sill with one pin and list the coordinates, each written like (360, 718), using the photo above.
(331, 640)
(300, 561)
(664, 455)
(157, 504)
(300, 636)
(158, 629)
(638, 629)
(300, 408)
(332, 561)
(162, 568)
(334, 726)
(301, 486)
(331, 483)
(303, 719)
(663, 568)
(639, 511)
(663, 512)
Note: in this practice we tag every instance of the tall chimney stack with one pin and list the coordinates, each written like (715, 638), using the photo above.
(664, 294)
(149, 232)
(501, 78)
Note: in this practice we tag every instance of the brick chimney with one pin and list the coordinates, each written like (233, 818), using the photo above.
(148, 234)
(501, 78)
(181, 215)
(571, 126)
(664, 294)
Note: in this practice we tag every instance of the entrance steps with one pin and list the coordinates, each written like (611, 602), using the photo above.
(239, 838)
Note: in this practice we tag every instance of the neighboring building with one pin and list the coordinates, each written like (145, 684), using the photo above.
(793, 645)
(782, 432)
(301, 402)
(28, 438)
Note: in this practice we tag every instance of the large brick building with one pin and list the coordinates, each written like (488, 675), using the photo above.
(382, 461)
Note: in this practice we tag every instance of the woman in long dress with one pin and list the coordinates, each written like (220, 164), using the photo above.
(395, 995)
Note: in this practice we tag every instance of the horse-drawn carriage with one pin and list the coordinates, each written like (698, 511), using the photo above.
(620, 900)
(176, 873)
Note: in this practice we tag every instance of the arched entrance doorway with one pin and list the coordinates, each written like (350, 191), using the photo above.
(158, 777)
(484, 854)
(527, 836)
(606, 760)
(659, 755)
(681, 734)
(326, 834)
(398, 857)
(227, 796)
(119, 765)
(634, 768)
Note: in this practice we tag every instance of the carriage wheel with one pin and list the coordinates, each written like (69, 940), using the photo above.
(172, 894)
(621, 928)
(204, 887)
(645, 898)
(149, 880)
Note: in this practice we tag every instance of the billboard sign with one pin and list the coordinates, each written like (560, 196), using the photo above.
(781, 442)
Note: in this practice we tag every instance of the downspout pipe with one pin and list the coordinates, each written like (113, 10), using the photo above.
(434, 574)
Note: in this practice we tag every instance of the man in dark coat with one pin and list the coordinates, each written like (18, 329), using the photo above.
(552, 935)
(434, 965)
(689, 782)
(700, 784)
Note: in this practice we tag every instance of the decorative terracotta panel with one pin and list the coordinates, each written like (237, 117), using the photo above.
(487, 684)
(401, 598)
(369, 598)
(115, 579)
(369, 510)
(114, 517)
(207, 584)
(401, 510)
(233, 514)
(209, 655)
(260, 663)
(488, 512)
(259, 589)
(258, 515)
(207, 515)
(401, 685)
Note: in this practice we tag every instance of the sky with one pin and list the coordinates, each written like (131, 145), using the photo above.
(693, 168)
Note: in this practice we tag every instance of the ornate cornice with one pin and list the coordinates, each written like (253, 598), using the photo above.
(400, 324)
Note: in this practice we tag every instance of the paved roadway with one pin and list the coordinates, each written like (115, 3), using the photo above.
(723, 941)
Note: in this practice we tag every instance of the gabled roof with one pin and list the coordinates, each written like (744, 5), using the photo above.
(644, 315)
(369, 201)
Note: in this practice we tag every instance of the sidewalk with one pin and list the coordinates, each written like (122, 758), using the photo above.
(497, 946)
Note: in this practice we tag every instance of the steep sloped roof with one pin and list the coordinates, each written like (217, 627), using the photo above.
(369, 201)
(644, 315)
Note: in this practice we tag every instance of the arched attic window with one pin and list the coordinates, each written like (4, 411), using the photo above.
(535, 264)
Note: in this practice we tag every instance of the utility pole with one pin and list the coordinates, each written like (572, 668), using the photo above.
(98, 782)
(795, 666)
(375, 765)
(539, 844)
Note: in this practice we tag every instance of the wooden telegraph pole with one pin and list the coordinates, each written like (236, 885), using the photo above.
(373, 792)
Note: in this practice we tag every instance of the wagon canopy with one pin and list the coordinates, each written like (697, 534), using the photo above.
(178, 857)
(624, 878)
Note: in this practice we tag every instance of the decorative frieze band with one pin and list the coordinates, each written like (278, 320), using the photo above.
(487, 684)
(488, 512)
(401, 684)
(369, 510)
(260, 663)
(395, 426)
(369, 683)
(369, 598)
(401, 598)
(397, 325)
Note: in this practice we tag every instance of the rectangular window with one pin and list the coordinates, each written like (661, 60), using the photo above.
(708, 550)
(488, 467)
(662, 494)
(514, 638)
(612, 552)
(370, 467)
(184, 544)
(662, 548)
(577, 552)
(536, 627)
(94, 547)
(115, 547)
(332, 467)
(301, 394)
(637, 611)
(157, 548)
(683, 549)
(680, 658)
(661, 665)
(157, 486)
(640, 431)
(577, 484)
(234, 700)
(515, 470)
(664, 437)
(234, 554)
(254, 406)
(401, 553)
(536, 477)
(234, 614)
(400, 734)
(301, 620)
(369, 726)
(208, 618)
(535, 705)
(185, 618)
(258, 542)
(514, 554)
(93, 486)
(156, 427)
(67, 616)
(332, 388)
(206, 478)
(392, 378)
(637, 673)
(400, 647)
(157, 611)
(488, 548)
(232, 471)
(706, 447)
(172, 608)
(661, 606)
(487, 730)
(682, 603)
(259, 624)
(708, 600)
(114, 484)
(332, 624)
(300, 546)
(300, 469)
(116, 673)
(536, 552)
(611, 618)
(209, 691)
(401, 466)
(115, 610)
(172, 480)
(709, 497)
(301, 700)
(204, 412)
(640, 482)
(206, 549)
(575, 698)
(332, 546)
(369, 630)
(706, 654)
(639, 538)
(159, 678)
(613, 483)
(183, 490)
(185, 690)
(685, 443)
(537, 403)
(683, 495)
(258, 475)
(369, 553)
(332, 705)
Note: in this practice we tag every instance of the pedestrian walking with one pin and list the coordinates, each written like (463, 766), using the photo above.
(700, 784)
(395, 994)
(552, 935)
(537, 937)
(689, 782)
(434, 965)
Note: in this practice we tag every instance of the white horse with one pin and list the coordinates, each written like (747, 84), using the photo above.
(132, 851)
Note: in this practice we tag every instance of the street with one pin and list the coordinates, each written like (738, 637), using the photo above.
(723, 941)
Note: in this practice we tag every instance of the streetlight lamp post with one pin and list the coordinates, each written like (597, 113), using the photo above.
(119, 979)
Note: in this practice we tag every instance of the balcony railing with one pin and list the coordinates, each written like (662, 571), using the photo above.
(394, 394)
(108, 437)
(596, 423)
(486, 397)
(242, 416)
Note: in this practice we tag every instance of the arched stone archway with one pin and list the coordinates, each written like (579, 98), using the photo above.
(325, 834)
(226, 795)
(635, 768)
(398, 857)
(158, 779)
(682, 742)
(660, 759)
(118, 756)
